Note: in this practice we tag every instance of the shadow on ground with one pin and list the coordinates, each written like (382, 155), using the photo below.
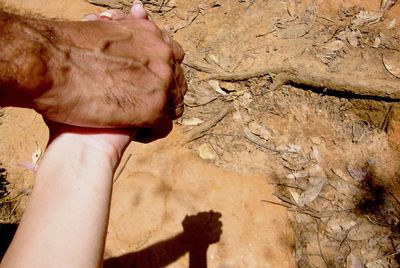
(7, 232)
(199, 232)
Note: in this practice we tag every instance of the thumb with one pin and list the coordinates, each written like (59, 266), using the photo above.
(138, 11)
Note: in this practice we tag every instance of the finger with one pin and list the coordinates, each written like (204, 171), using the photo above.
(178, 92)
(147, 135)
(180, 79)
(177, 49)
(112, 14)
(90, 17)
(138, 11)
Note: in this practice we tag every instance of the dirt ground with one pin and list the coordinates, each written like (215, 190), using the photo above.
(291, 133)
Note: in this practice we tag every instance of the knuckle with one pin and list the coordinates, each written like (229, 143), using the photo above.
(151, 26)
(167, 75)
(166, 51)
(159, 105)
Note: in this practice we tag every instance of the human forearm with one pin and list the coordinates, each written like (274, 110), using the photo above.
(124, 73)
(66, 220)
(23, 61)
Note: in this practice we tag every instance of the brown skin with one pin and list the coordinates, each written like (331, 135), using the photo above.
(102, 74)
(67, 77)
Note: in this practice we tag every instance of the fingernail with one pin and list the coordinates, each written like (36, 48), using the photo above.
(137, 2)
(106, 15)
(138, 11)
(89, 17)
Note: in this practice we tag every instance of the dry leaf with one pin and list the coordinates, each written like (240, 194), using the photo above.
(227, 86)
(210, 58)
(292, 8)
(316, 171)
(36, 155)
(358, 174)
(341, 35)
(391, 24)
(364, 17)
(317, 140)
(295, 28)
(358, 131)
(247, 100)
(334, 46)
(353, 261)
(391, 61)
(351, 38)
(387, 4)
(298, 175)
(316, 155)
(192, 121)
(340, 225)
(214, 84)
(311, 194)
(377, 42)
(206, 152)
(345, 188)
(362, 232)
(295, 195)
(341, 174)
(260, 131)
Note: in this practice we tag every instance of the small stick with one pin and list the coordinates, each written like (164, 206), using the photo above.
(122, 168)
(320, 249)
(369, 88)
(276, 203)
(201, 130)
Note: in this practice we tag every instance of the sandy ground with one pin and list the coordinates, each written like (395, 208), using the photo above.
(160, 185)
(325, 135)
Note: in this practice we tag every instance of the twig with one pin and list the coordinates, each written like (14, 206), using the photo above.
(241, 76)
(385, 122)
(258, 141)
(344, 239)
(188, 23)
(319, 245)
(251, 3)
(200, 104)
(285, 199)
(14, 208)
(288, 186)
(306, 212)
(325, 18)
(201, 130)
(122, 168)
(11, 199)
(202, 67)
(395, 198)
(161, 5)
(374, 88)
(276, 203)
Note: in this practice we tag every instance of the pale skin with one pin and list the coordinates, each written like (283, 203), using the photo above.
(66, 219)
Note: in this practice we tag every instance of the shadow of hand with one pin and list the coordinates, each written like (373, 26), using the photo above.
(202, 229)
(199, 232)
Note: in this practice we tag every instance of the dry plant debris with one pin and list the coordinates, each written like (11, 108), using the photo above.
(343, 216)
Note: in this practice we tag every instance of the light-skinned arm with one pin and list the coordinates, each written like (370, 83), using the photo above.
(66, 219)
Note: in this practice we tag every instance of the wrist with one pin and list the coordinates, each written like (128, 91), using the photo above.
(92, 149)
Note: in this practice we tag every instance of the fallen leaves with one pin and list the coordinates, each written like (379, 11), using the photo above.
(214, 84)
(387, 4)
(311, 194)
(191, 122)
(366, 17)
(36, 155)
(206, 152)
(293, 28)
(391, 61)
(292, 8)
